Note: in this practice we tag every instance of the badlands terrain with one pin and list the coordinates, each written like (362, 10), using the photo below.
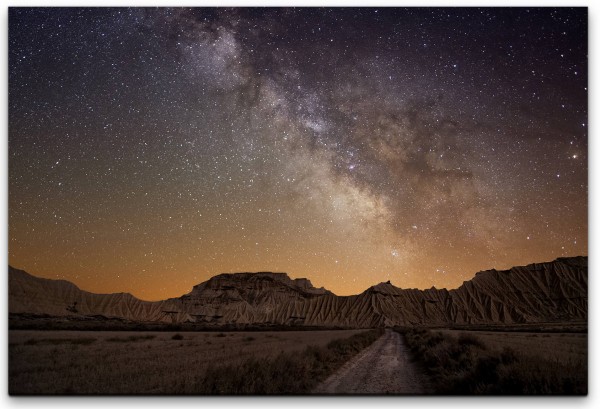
(553, 292)
(517, 331)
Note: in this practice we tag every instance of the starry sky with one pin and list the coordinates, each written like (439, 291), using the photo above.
(151, 149)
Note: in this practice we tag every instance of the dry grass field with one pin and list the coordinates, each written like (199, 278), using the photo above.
(561, 347)
(502, 363)
(86, 362)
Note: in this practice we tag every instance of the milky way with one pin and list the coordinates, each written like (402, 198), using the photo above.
(150, 149)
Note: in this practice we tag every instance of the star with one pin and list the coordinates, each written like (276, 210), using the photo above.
(150, 149)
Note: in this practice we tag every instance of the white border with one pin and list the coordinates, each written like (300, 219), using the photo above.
(300, 402)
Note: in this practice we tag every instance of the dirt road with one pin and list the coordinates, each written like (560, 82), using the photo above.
(384, 367)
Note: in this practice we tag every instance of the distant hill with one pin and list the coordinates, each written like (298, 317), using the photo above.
(34, 295)
(538, 293)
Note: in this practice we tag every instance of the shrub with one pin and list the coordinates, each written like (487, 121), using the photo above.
(464, 365)
(508, 356)
(469, 339)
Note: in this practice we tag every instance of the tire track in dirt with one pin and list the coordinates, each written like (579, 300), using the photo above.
(385, 367)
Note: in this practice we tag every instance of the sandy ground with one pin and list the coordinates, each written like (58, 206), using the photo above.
(383, 368)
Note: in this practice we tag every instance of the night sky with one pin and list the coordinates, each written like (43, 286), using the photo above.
(150, 149)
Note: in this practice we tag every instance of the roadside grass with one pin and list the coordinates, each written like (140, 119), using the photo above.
(287, 373)
(464, 365)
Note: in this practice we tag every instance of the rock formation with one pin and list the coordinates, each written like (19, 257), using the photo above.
(546, 292)
(33, 295)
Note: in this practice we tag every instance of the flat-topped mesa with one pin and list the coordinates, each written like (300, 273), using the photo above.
(259, 281)
(251, 298)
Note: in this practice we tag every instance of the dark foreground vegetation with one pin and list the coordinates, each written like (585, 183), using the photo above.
(288, 373)
(176, 363)
(465, 365)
